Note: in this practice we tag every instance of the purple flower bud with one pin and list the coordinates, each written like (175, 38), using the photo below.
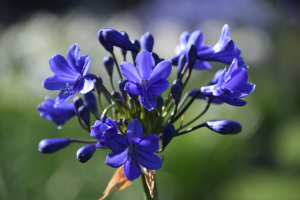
(103, 119)
(77, 103)
(181, 64)
(177, 81)
(176, 92)
(157, 59)
(117, 39)
(122, 83)
(53, 144)
(147, 42)
(224, 127)
(118, 98)
(138, 46)
(168, 134)
(97, 87)
(124, 51)
(191, 56)
(160, 103)
(90, 102)
(84, 115)
(109, 47)
(108, 63)
(85, 153)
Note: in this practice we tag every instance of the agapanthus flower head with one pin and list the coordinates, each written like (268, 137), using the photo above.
(224, 51)
(59, 114)
(231, 86)
(103, 131)
(146, 81)
(71, 75)
(224, 127)
(85, 153)
(52, 145)
(134, 151)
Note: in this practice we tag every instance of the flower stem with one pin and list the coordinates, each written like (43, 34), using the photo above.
(99, 102)
(147, 195)
(117, 65)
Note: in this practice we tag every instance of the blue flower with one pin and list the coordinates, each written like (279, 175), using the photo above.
(133, 151)
(57, 113)
(103, 131)
(224, 51)
(231, 86)
(197, 39)
(71, 75)
(52, 145)
(145, 80)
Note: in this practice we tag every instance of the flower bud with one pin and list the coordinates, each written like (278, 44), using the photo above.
(90, 102)
(176, 92)
(108, 63)
(147, 42)
(85, 153)
(181, 64)
(160, 103)
(77, 102)
(124, 51)
(53, 144)
(118, 98)
(117, 39)
(97, 87)
(191, 56)
(84, 115)
(109, 47)
(224, 127)
(177, 81)
(167, 134)
(157, 59)
(125, 122)
(138, 46)
(122, 84)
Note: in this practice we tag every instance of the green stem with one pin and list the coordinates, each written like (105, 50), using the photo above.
(117, 65)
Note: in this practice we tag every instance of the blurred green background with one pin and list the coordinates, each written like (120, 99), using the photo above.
(261, 163)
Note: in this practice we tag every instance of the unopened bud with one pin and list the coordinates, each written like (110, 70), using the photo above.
(108, 63)
(147, 42)
(109, 47)
(53, 144)
(137, 44)
(90, 102)
(122, 84)
(85, 153)
(191, 56)
(176, 92)
(168, 134)
(224, 127)
(77, 103)
(84, 115)
(124, 51)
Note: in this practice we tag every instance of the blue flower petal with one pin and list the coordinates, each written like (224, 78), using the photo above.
(132, 88)
(149, 105)
(62, 97)
(118, 143)
(59, 66)
(161, 71)
(134, 131)
(159, 87)
(72, 57)
(196, 38)
(57, 82)
(83, 64)
(88, 85)
(132, 170)
(149, 143)
(238, 79)
(130, 72)
(145, 64)
(149, 160)
(199, 64)
(233, 101)
(116, 160)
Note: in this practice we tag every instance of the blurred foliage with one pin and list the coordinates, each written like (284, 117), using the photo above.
(261, 163)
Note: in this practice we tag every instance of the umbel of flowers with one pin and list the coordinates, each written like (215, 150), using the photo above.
(139, 117)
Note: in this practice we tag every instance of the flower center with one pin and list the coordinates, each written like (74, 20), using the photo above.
(68, 90)
(146, 93)
(132, 152)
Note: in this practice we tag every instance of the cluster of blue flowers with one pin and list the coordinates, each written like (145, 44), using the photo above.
(137, 118)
